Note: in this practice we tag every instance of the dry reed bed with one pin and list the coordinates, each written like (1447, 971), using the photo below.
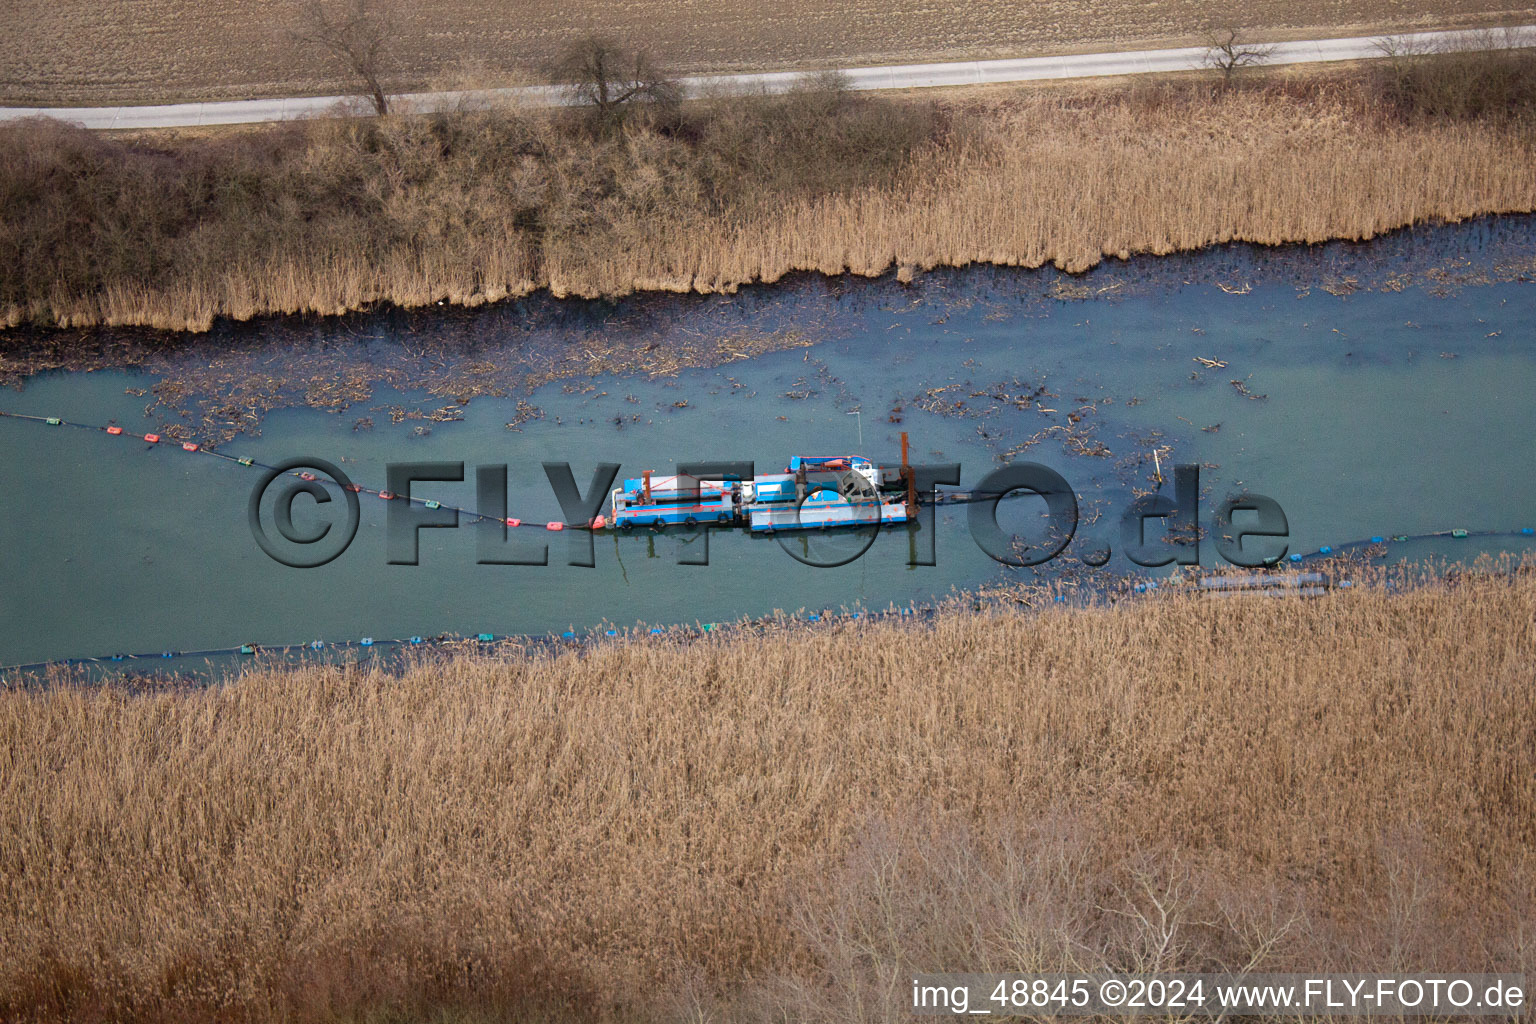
(1345, 783)
(1056, 184)
(349, 216)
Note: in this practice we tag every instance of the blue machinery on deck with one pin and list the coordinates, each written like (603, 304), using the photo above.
(815, 492)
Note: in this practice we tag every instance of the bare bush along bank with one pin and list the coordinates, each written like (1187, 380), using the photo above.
(483, 204)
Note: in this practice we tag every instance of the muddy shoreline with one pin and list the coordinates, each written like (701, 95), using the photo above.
(216, 386)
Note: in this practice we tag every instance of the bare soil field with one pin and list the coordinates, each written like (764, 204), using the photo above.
(86, 52)
(781, 825)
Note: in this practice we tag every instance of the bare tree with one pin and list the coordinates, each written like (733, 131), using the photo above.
(357, 33)
(610, 78)
(1227, 51)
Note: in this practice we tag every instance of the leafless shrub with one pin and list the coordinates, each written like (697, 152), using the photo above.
(815, 137)
(1229, 52)
(1477, 75)
(357, 34)
(613, 79)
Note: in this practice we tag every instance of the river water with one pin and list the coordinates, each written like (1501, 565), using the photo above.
(1382, 388)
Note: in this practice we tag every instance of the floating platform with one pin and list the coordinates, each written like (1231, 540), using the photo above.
(812, 493)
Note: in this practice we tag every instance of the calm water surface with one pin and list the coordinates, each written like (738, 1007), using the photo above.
(1389, 408)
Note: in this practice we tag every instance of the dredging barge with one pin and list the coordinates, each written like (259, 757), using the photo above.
(814, 492)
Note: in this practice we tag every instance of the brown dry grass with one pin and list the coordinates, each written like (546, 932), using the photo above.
(478, 206)
(84, 52)
(782, 826)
